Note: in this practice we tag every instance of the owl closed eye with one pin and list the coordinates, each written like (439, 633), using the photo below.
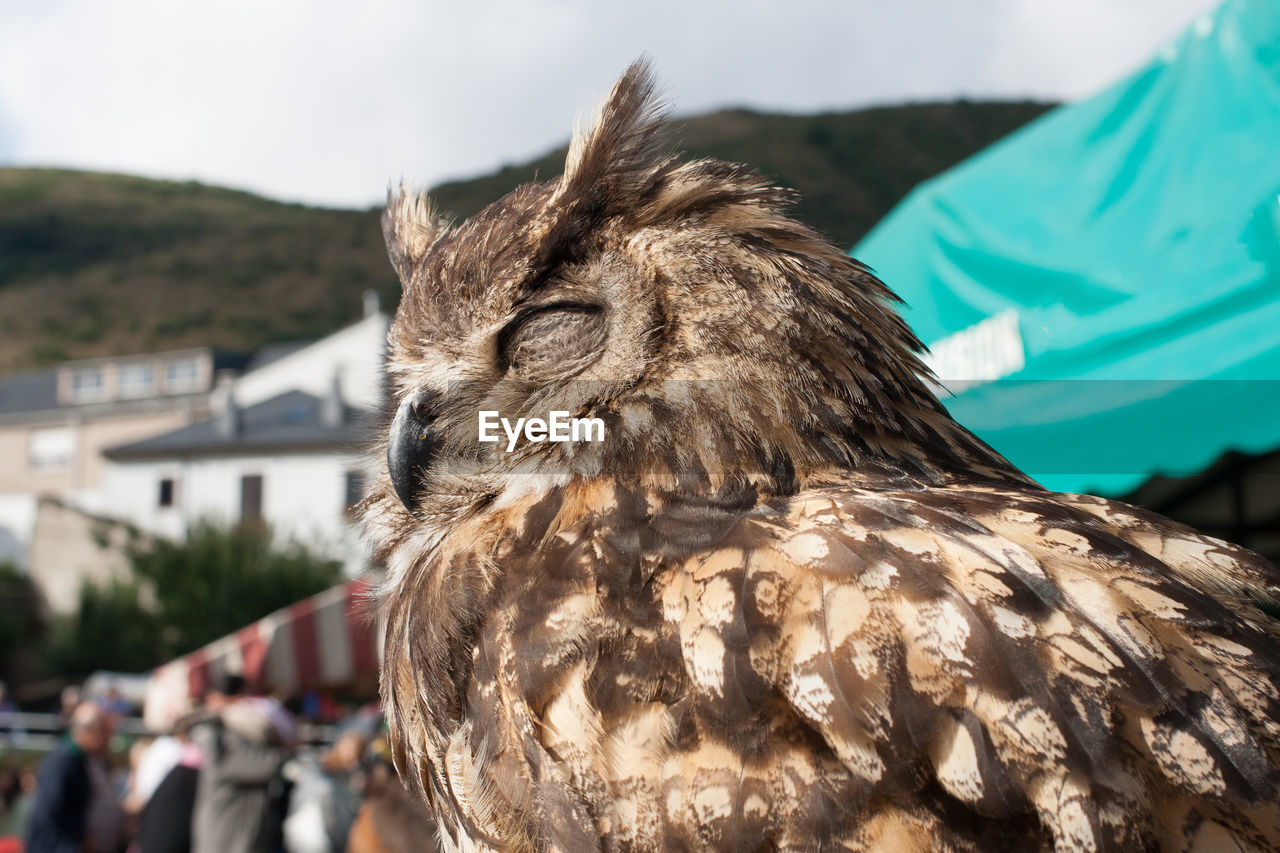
(549, 342)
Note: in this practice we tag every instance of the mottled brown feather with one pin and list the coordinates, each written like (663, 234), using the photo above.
(788, 603)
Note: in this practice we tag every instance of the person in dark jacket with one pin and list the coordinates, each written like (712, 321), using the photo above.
(58, 815)
(165, 824)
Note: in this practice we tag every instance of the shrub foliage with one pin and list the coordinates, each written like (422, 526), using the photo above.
(182, 595)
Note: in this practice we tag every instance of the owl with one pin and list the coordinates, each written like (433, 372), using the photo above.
(774, 597)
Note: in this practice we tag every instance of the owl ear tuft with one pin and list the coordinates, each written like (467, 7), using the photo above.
(617, 154)
(410, 226)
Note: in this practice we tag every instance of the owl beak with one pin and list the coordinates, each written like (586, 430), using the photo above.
(410, 448)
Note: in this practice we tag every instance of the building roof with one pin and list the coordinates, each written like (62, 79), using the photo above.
(35, 391)
(33, 394)
(274, 352)
(292, 421)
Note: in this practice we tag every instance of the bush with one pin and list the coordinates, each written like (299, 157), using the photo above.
(183, 595)
(109, 630)
(221, 580)
(19, 624)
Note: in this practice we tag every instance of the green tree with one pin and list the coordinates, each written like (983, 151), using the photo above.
(20, 628)
(220, 580)
(110, 629)
(182, 595)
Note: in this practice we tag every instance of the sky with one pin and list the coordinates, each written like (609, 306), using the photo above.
(328, 101)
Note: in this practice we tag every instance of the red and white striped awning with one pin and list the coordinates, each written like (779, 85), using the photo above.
(327, 640)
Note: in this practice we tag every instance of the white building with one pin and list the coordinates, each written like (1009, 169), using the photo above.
(287, 445)
(55, 424)
(353, 355)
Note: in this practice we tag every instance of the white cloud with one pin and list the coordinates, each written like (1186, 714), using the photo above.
(326, 101)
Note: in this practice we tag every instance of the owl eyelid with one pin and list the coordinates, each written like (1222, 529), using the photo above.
(530, 309)
(528, 312)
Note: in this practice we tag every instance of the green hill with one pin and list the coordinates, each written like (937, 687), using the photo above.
(94, 264)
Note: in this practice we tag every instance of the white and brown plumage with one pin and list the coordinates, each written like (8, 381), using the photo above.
(788, 602)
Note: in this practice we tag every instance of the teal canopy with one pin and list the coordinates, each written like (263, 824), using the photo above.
(1102, 288)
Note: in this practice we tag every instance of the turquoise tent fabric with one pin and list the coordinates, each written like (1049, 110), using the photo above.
(1135, 237)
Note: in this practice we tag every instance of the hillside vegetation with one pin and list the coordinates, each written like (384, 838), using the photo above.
(96, 264)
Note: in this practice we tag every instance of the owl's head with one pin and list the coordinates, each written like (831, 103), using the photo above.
(715, 341)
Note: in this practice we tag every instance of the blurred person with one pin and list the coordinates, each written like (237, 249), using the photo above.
(10, 789)
(59, 815)
(245, 741)
(18, 792)
(68, 701)
(69, 698)
(127, 784)
(104, 822)
(159, 756)
(8, 726)
(165, 823)
(115, 703)
(390, 820)
(325, 797)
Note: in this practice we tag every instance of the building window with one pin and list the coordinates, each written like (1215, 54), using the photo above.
(354, 489)
(181, 376)
(251, 497)
(136, 380)
(87, 385)
(165, 498)
(51, 449)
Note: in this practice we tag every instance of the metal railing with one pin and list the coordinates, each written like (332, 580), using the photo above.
(26, 732)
